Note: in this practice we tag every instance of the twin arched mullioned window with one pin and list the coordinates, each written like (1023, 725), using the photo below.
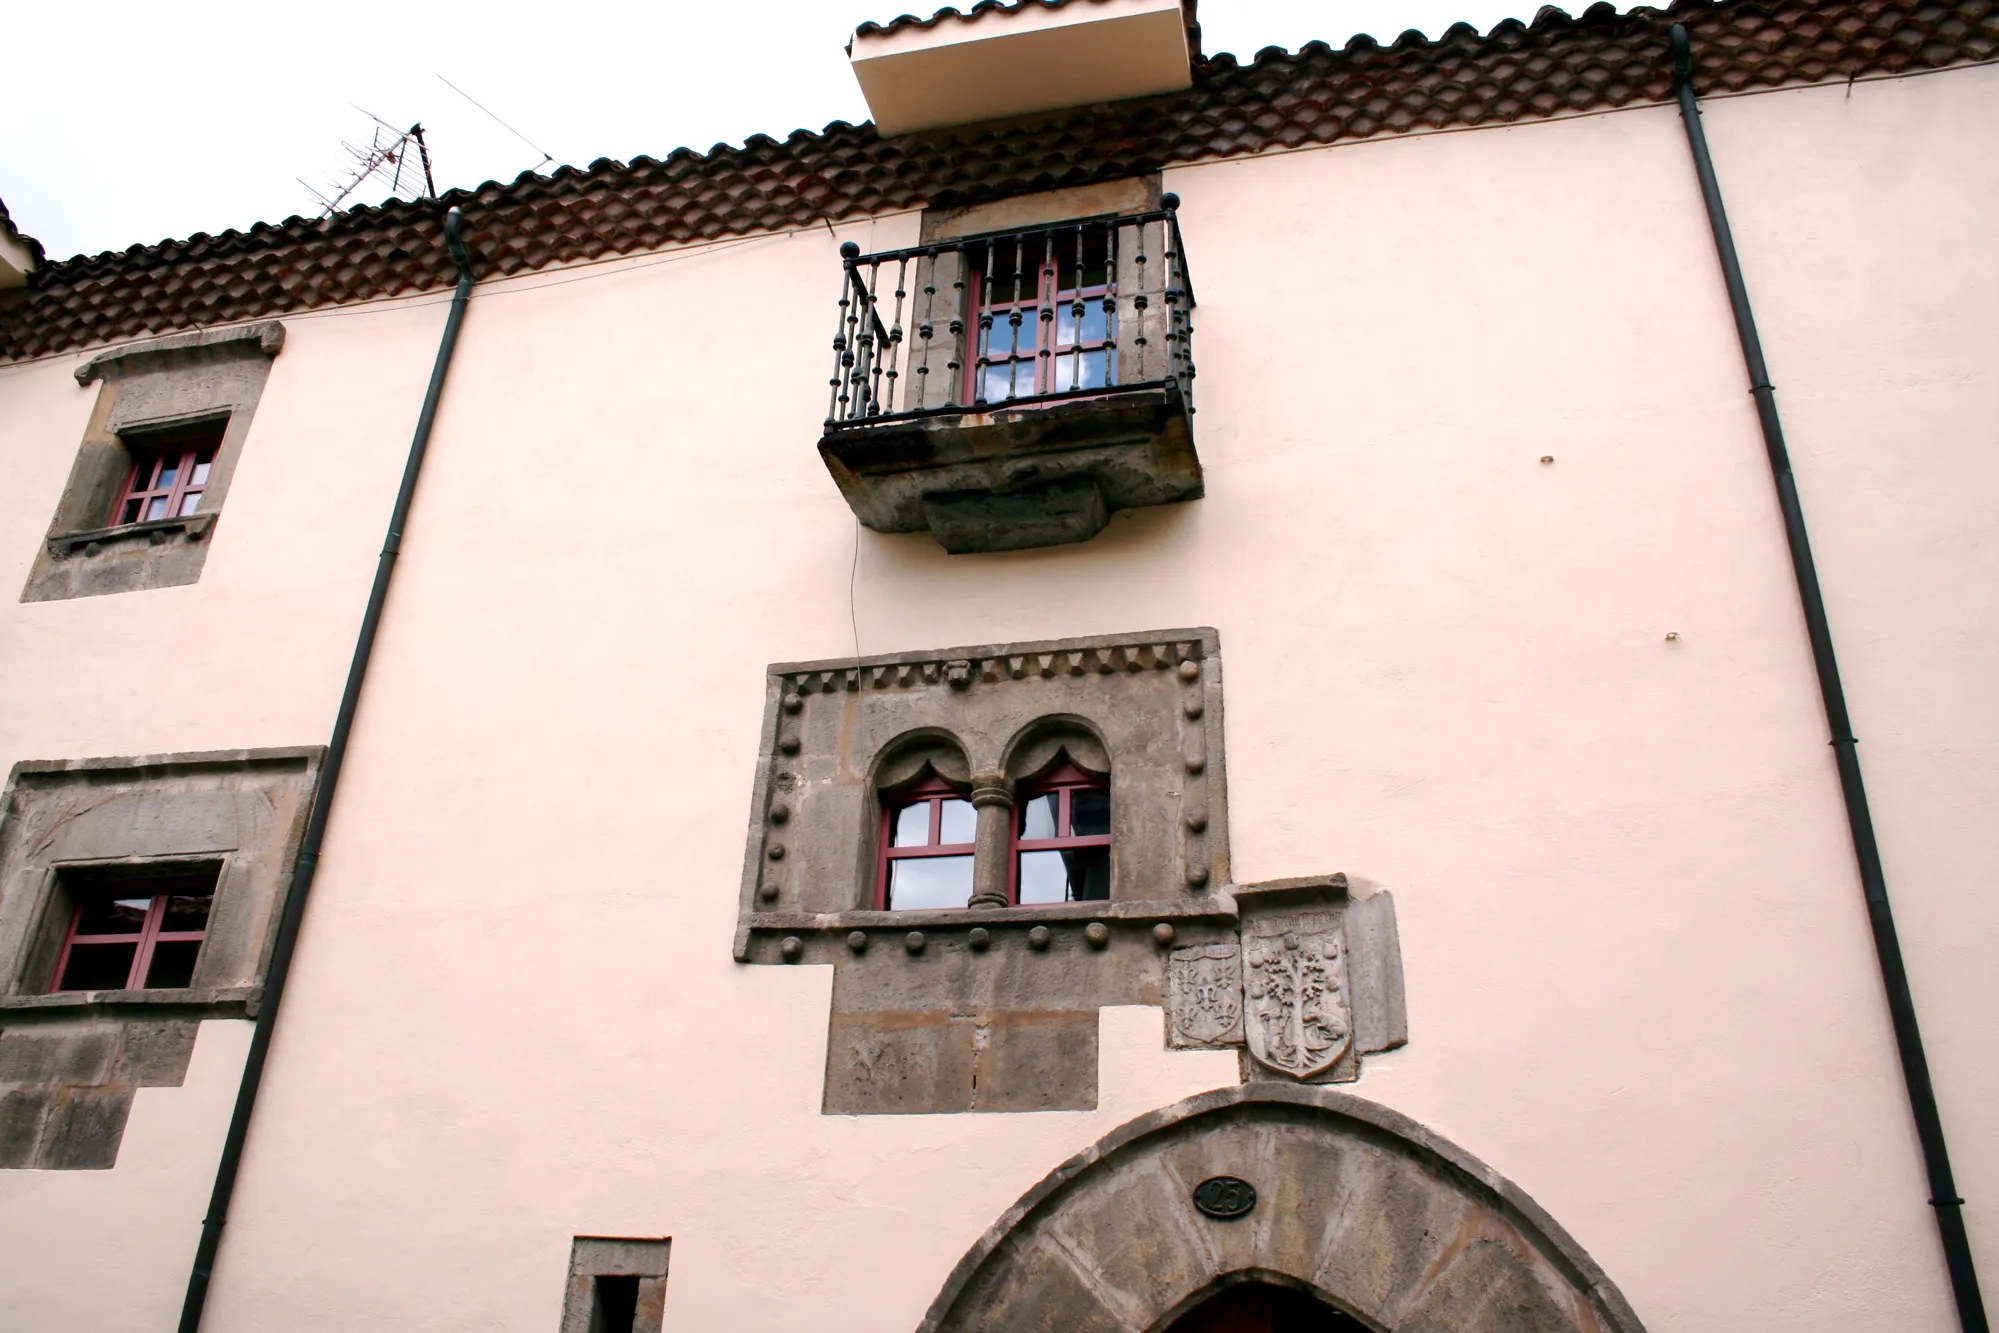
(1056, 845)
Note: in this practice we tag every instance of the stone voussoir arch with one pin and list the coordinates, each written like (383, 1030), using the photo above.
(1357, 1204)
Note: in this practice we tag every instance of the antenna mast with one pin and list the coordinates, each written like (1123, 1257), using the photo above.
(395, 162)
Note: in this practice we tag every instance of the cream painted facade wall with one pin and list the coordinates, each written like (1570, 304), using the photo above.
(1639, 977)
(250, 656)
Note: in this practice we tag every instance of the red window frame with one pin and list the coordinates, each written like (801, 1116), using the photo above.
(171, 470)
(1026, 303)
(151, 932)
(933, 791)
(1063, 781)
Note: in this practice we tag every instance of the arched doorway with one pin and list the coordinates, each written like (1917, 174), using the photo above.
(1348, 1205)
(1263, 1307)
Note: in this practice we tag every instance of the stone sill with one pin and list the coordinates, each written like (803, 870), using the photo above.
(1218, 907)
(192, 527)
(196, 1001)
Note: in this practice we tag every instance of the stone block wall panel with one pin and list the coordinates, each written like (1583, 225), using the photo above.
(66, 1087)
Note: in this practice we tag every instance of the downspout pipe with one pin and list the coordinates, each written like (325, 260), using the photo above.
(1944, 1200)
(286, 943)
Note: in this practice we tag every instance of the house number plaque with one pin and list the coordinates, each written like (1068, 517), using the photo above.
(1224, 1196)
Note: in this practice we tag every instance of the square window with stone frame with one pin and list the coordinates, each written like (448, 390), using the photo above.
(147, 486)
(138, 898)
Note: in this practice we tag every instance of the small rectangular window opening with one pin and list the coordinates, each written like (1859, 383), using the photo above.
(617, 1305)
(135, 932)
(616, 1285)
(169, 473)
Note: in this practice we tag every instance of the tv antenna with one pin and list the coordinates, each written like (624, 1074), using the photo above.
(394, 161)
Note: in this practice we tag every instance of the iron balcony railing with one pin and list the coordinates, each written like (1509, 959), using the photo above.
(1077, 309)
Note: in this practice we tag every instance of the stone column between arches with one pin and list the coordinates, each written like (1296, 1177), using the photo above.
(1355, 1204)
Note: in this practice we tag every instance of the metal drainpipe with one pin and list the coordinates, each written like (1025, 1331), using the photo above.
(286, 943)
(1860, 823)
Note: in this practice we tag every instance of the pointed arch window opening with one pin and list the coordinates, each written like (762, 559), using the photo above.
(1058, 846)
(927, 845)
(1061, 850)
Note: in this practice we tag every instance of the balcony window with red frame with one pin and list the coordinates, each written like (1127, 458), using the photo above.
(148, 939)
(1062, 838)
(928, 831)
(169, 473)
(1046, 314)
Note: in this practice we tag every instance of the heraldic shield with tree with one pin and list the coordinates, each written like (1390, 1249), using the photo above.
(1296, 979)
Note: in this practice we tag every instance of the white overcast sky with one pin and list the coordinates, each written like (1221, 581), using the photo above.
(149, 121)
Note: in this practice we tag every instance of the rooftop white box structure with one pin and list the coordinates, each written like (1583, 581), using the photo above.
(999, 61)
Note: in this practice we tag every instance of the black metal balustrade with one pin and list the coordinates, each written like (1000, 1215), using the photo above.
(1093, 307)
(1016, 389)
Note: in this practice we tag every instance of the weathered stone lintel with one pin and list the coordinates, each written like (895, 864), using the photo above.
(152, 765)
(266, 337)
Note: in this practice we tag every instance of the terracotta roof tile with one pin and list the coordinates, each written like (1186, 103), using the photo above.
(7, 228)
(1556, 64)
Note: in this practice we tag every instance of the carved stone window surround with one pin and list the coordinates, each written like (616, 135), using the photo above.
(985, 1008)
(144, 388)
(69, 1061)
(994, 1008)
(1153, 699)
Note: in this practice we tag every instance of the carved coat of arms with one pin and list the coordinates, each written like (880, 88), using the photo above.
(1296, 976)
(1204, 995)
